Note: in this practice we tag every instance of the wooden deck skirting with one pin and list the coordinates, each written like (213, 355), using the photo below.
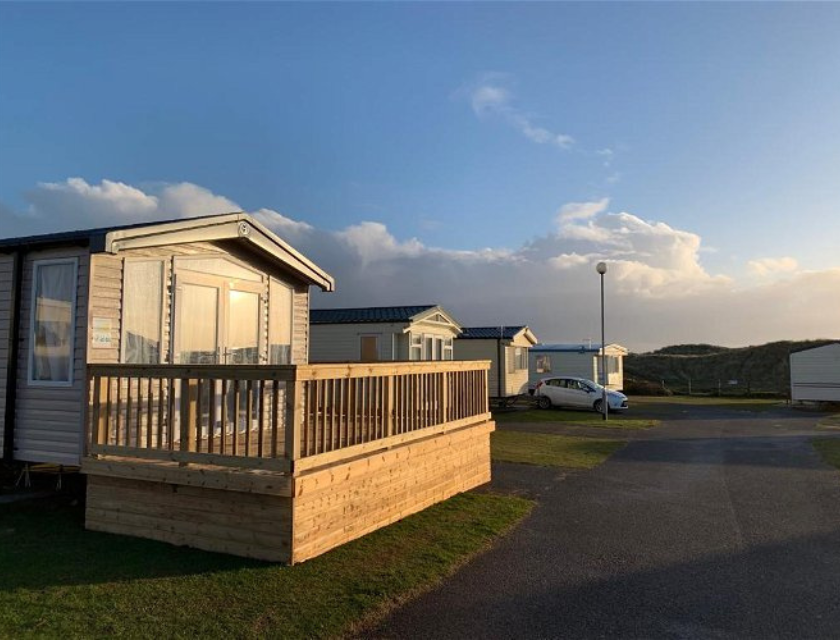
(280, 463)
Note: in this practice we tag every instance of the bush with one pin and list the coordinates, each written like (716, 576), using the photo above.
(637, 387)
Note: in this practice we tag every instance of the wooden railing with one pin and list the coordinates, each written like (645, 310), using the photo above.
(269, 417)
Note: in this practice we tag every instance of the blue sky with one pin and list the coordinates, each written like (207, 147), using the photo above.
(463, 126)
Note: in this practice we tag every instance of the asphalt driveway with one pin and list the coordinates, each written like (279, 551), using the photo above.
(717, 524)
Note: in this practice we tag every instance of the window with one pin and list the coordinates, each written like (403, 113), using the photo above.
(612, 365)
(52, 332)
(369, 348)
(142, 312)
(520, 358)
(543, 364)
(280, 322)
(447, 349)
(415, 350)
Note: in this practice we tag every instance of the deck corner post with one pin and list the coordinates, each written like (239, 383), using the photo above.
(294, 420)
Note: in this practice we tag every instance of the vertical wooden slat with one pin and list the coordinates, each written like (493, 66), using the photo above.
(159, 439)
(101, 417)
(249, 411)
(389, 405)
(237, 396)
(275, 410)
(199, 423)
(223, 421)
(118, 406)
(363, 426)
(170, 421)
(338, 416)
(128, 403)
(260, 417)
(149, 412)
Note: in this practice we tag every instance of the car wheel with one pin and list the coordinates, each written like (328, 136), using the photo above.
(598, 406)
(544, 402)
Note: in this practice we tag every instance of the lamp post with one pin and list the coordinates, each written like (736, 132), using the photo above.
(601, 268)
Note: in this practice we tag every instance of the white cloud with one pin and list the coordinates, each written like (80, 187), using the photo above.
(187, 200)
(372, 242)
(658, 291)
(281, 224)
(489, 97)
(75, 199)
(582, 210)
(772, 266)
(76, 204)
(570, 260)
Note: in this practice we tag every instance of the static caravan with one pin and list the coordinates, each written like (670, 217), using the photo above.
(580, 359)
(815, 374)
(215, 290)
(378, 334)
(170, 361)
(506, 348)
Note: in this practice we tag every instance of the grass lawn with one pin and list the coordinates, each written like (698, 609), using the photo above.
(829, 450)
(740, 404)
(585, 418)
(58, 580)
(830, 421)
(550, 450)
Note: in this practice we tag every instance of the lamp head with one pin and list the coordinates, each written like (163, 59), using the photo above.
(601, 268)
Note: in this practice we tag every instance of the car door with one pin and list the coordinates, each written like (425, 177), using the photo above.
(578, 394)
(553, 388)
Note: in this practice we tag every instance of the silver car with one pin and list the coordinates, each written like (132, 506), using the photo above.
(569, 391)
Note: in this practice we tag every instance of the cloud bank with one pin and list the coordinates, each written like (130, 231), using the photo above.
(658, 291)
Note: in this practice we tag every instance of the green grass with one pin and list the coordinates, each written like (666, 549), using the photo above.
(829, 450)
(740, 404)
(585, 418)
(57, 580)
(831, 422)
(550, 450)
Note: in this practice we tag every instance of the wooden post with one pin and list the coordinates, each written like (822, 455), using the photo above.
(100, 436)
(389, 405)
(189, 413)
(294, 420)
(444, 397)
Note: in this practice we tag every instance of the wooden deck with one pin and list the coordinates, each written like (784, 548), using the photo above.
(280, 463)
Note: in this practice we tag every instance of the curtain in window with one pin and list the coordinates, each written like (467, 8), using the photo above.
(280, 323)
(143, 299)
(52, 339)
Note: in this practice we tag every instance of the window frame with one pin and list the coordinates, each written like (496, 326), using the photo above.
(269, 333)
(163, 351)
(74, 261)
(377, 337)
(540, 362)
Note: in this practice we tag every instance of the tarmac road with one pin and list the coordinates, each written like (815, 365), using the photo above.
(717, 524)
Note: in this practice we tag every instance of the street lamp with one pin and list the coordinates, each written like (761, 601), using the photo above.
(601, 268)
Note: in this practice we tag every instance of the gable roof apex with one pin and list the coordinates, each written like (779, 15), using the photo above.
(226, 226)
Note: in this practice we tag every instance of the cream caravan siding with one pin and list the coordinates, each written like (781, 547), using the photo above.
(6, 283)
(477, 349)
(517, 382)
(342, 342)
(106, 296)
(300, 320)
(564, 363)
(815, 374)
(48, 420)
